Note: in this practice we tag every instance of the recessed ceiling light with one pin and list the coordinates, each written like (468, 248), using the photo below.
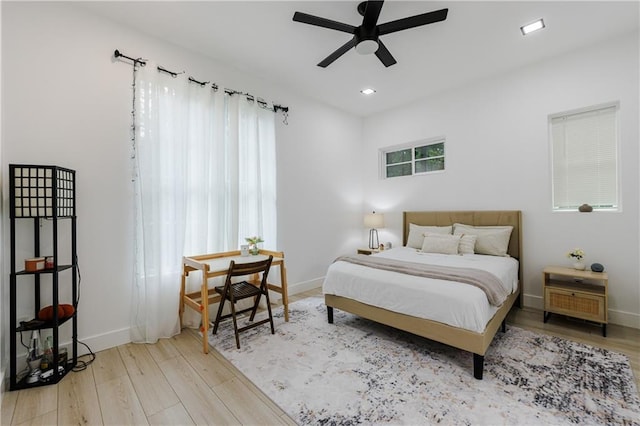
(368, 91)
(534, 26)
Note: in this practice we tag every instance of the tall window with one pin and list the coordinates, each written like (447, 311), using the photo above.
(204, 178)
(584, 149)
(415, 159)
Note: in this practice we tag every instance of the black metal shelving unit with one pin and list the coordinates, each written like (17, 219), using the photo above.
(40, 193)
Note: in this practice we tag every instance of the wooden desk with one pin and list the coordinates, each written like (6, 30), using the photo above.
(217, 265)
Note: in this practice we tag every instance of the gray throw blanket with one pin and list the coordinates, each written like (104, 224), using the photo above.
(486, 281)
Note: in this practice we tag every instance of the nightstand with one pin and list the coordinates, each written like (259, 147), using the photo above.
(368, 251)
(575, 293)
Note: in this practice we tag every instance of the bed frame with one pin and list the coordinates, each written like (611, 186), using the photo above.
(476, 343)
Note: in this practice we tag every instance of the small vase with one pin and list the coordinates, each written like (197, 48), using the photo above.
(254, 250)
(579, 266)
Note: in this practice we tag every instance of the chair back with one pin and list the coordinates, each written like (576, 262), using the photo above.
(239, 269)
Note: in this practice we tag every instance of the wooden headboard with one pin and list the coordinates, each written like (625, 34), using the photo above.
(475, 218)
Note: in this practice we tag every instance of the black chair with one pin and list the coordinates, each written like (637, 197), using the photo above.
(233, 292)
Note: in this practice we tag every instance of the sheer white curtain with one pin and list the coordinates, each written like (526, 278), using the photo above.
(204, 162)
(252, 131)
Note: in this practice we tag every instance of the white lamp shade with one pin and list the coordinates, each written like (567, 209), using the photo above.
(374, 220)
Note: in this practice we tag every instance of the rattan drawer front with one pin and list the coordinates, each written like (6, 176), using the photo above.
(586, 306)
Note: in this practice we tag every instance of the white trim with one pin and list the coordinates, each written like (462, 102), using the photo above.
(612, 104)
(305, 286)
(104, 341)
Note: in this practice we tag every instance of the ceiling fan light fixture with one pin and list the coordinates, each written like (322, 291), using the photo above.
(368, 91)
(534, 26)
(364, 38)
(367, 47)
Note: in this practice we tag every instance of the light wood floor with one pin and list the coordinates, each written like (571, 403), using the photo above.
(173, 382)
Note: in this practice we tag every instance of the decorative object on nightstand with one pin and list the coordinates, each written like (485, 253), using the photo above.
(597, 267)
(578, 294)
(577, 255)
(373, 221)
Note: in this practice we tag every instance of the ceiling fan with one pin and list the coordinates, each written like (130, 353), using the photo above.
(366, 37)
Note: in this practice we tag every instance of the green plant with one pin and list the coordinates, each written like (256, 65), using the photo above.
(254, 240)
(577, 254)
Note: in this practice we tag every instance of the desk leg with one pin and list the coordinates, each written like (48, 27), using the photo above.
(285, 291)
(204, 308)
(183, 284)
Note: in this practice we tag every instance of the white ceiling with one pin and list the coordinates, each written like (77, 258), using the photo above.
(479, 39)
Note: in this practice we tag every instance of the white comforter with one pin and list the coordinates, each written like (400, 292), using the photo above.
(457, 304)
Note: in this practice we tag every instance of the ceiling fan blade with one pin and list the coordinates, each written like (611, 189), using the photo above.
(339, 52)
(384, 55)
(323, 22)
(371, 13)
(413, 21)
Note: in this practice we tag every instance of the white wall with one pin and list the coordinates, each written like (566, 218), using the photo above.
(67, 102)
(497, 157)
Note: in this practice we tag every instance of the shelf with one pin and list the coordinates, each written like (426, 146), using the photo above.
(38, 192)
(575, 273)
(22, 384)
(44, 325)
(45, 271)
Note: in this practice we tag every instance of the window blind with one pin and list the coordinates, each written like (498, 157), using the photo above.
(584, 157)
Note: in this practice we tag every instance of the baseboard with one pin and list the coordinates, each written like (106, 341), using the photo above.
(531, 301)
(627, 319)
(305, 286)
(104, 341)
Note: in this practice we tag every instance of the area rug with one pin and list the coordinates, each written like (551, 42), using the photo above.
(358, 372)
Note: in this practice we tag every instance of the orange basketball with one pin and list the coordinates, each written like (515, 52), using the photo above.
(46, 313)
(68, 310)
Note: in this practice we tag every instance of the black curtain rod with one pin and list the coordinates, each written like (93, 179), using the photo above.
(171, 73)
(140, 61)
(201, 83)
(214, 86)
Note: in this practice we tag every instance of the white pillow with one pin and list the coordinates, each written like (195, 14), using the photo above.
(416, 233)
(440, 243)
(467, 244)
(493, 240)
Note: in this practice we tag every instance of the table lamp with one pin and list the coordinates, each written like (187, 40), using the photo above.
(374, 220)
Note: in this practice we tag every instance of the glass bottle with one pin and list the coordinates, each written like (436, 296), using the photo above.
(47, 356)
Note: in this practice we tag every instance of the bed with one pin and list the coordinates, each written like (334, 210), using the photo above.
(344, 278)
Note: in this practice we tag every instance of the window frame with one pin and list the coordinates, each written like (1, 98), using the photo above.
(412, 146)
(590, 109)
